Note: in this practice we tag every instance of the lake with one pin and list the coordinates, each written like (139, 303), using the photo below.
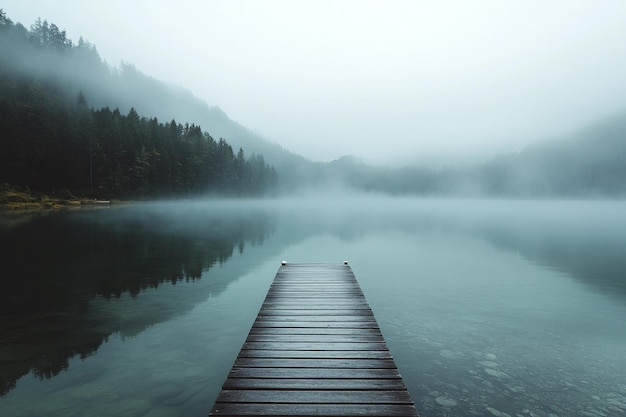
(490, 308)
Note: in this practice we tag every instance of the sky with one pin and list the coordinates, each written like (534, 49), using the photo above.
(386, 81)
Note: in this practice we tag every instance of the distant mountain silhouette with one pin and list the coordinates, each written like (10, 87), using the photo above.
(591, 163)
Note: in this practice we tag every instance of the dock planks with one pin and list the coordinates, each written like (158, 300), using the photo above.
(315, 349)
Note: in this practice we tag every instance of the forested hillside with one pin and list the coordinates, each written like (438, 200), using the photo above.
(71, 121)
(53, 139)
(590, 164)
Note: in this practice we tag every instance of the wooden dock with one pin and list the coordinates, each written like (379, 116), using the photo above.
(315, 349)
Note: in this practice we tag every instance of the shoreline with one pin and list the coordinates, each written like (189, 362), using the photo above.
(14, 199)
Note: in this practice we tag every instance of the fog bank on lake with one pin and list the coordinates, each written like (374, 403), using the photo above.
(510, 307)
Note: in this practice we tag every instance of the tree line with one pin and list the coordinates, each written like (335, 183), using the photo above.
(53, 140)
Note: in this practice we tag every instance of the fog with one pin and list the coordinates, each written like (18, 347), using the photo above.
(390, 82)
(537, 285)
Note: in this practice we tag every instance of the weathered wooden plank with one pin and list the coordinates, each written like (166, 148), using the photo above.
(337, 298)
(313, 289)
(317, 283)
(299, 287)
(316, 324)
(320, 312)
(317, 287)
(312, 331)
(302, 287)
(327, 410)
(315, 346)
(333, 363)
(313, 277)
(320, 331)
(321, 373)
(310, 280)
(320, 354)
(321, 304)
(319, 300)
(323, 319)
(329, 338)
(314, 384)
(315, 397)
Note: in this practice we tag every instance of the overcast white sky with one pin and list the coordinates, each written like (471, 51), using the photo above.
(376, 79)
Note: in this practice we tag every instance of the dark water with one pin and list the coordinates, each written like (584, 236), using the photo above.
(490, 308)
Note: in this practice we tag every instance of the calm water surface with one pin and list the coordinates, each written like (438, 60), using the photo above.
(490, 308)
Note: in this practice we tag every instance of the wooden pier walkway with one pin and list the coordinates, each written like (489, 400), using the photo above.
(315, 349)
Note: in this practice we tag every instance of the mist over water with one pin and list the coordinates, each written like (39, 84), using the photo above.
(490, 308)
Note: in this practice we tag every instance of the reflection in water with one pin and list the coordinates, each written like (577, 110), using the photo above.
(507, 307)
(56, 267)
(592, 251)
(584, 239)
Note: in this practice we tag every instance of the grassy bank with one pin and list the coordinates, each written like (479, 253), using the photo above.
(16, 198)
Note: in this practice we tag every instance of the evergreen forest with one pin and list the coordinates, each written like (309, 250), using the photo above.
(52, 140)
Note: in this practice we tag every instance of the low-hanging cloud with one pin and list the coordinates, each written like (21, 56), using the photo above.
(385, 81)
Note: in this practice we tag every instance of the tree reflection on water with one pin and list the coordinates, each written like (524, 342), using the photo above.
(54, 266)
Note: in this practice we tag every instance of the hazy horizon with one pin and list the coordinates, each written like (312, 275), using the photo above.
(403, 82)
